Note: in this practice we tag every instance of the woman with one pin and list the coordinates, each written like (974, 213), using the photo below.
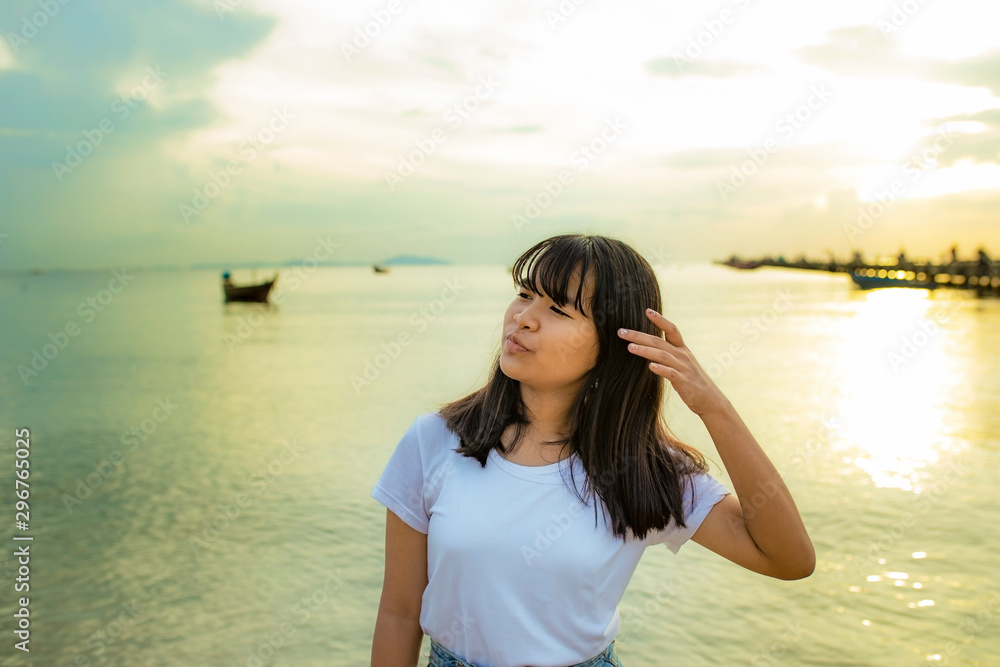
(517, 514)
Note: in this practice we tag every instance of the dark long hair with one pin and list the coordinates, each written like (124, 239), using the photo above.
(630, 458)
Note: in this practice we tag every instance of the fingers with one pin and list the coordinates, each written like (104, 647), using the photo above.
(648, 340)
(657, 355)
(667, 372)
(670, 330)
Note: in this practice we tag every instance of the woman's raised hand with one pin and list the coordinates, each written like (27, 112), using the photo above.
(672, 360)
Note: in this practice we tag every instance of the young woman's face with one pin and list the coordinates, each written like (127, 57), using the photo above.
(555, 346)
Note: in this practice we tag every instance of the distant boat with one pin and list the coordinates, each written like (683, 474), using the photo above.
(864, 281)
(380, 268)
(251, 293)
(740, 264)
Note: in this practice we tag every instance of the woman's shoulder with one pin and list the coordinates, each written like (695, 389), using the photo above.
(432, 433)
(431, 420)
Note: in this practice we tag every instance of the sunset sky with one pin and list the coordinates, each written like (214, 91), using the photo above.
(179, 132)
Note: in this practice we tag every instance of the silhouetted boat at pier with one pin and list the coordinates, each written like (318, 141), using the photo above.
(981, 274)
(891, 279)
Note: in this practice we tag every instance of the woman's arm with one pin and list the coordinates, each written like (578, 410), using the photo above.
(397, 638)
(760, 528)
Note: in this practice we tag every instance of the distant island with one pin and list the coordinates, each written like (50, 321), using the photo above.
(398, 260)
(413, 259)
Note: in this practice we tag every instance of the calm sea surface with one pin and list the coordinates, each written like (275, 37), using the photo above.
(200, 472)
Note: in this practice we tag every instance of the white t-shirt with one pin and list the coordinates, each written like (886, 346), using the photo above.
(517, 572)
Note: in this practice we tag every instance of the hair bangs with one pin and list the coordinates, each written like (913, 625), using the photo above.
(548, 268)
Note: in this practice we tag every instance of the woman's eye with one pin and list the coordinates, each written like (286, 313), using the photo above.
(560, 312)
(522, 295)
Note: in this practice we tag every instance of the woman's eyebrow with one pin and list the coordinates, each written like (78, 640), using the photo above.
(571, 304)
(584, 304)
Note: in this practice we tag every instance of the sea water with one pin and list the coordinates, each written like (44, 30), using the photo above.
(200, 472)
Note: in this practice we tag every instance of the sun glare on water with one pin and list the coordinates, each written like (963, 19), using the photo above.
(898, 370)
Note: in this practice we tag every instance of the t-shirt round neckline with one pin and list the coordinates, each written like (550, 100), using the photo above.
(546, 474)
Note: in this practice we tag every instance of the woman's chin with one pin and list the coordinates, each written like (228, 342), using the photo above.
(510, 370)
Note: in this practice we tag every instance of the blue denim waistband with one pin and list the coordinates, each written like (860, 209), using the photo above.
(442, 657)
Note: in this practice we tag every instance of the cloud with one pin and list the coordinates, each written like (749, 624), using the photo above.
(817, 157)
(974, 137)
(689, 124)
(444, 64)
(522, 129)
(857, 50)
(864, 51)
(71, 72)
(6, 56)
(988, 117)
(110, 82)
(979, 71)
(678, 67)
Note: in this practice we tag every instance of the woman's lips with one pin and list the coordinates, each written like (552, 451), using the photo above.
(513, 346)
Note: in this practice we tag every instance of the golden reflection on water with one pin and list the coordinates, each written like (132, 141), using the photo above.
(897, 373)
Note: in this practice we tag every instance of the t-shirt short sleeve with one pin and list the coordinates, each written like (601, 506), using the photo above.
(400, 488)
(701, 493)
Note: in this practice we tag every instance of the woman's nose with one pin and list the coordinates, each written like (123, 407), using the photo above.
(524, 318)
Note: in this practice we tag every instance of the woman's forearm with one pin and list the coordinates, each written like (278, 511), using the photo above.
(770, 514)
(396, 642)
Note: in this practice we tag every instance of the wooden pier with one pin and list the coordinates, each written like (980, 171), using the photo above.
(981, 274)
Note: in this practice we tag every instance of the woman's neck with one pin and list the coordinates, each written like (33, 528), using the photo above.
(547, 413)
(532, 449)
